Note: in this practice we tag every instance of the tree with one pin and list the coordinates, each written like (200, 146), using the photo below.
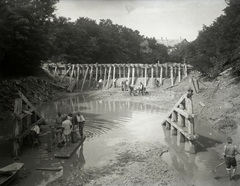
(25, 35)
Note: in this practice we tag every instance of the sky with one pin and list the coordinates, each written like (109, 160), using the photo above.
(162, 19)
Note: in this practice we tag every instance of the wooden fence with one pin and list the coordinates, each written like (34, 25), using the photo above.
(108, 72)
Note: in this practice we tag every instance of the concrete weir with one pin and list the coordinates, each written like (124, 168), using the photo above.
(76, 75)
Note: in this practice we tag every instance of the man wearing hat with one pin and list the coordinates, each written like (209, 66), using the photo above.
(230, 151)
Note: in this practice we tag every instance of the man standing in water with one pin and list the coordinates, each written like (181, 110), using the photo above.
(230, 151)
(79, 120)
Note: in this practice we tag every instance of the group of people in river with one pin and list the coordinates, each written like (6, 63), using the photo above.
(66, 125)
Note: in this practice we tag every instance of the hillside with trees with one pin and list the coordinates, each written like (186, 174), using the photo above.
(217, 46)
(31, 33)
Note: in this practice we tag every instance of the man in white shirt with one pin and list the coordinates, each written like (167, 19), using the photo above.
(34, 132)
(80, 121)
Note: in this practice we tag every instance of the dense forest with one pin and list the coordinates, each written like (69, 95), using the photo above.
(30, 33)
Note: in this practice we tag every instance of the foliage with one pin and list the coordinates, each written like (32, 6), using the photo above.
(217, 46)
(25, 34)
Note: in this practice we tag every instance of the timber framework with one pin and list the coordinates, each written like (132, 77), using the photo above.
(81, 76)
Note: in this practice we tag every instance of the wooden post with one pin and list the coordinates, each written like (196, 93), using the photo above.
(83, 71)
(166, 71)
(96, 72)
(133, 73)
(190, 121)
(168, 126)
(16, 127)
(72, 73)
(172, 75)
(91, 74)
(105, 76)
(85, 76)
(55, 71)
(124, 71)
(120, 71)
(145, 76)
(101, 72)
(181, 119)
(78, 74)
(109, 76)
(161, 75)
(179, 72)
(157, 71)
(152, 72)
(114, 72)
(65, 74)
(138, 72)
(173, 131)
(128, 78)
(185, 70)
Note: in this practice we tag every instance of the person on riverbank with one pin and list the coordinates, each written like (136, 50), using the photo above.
(67, 129)
(79, 121)
(230, 151)
(58, 125)
(34, 134)
(141, 88)
(59, 119)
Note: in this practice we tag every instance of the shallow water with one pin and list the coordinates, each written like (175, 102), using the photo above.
(111, 122)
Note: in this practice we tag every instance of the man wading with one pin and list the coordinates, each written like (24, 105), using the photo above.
(79, 120)
(230, 151)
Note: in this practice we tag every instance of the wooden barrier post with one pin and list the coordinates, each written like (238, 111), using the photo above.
(105, 76)
(157, 71)
(85, 76)
(101, 72)
(55, 71)
(166, 71)
(65, 74)
(174, 119)
(114, 73)
(161, 75)
(120, 71)
(189, 108)
(16, 127)
(133, 73)
(145, 84)
(185, 70)
(78, 74)
(172, 75)
(138, 71)
(128, 78)
(124, 71)
(109, 76)
(179, 73)
(91, 74)
(72, 73)
(96, 72)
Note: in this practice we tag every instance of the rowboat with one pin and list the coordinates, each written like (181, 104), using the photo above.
(8, 173)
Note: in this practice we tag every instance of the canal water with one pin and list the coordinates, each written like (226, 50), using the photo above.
(110, 122)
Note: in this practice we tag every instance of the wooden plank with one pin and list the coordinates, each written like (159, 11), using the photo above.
(183, 113)
(175, 106)
(65, 74)
(180, 129)
(25, 133)
(30, 105)
(66, 152)
(85, 76)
